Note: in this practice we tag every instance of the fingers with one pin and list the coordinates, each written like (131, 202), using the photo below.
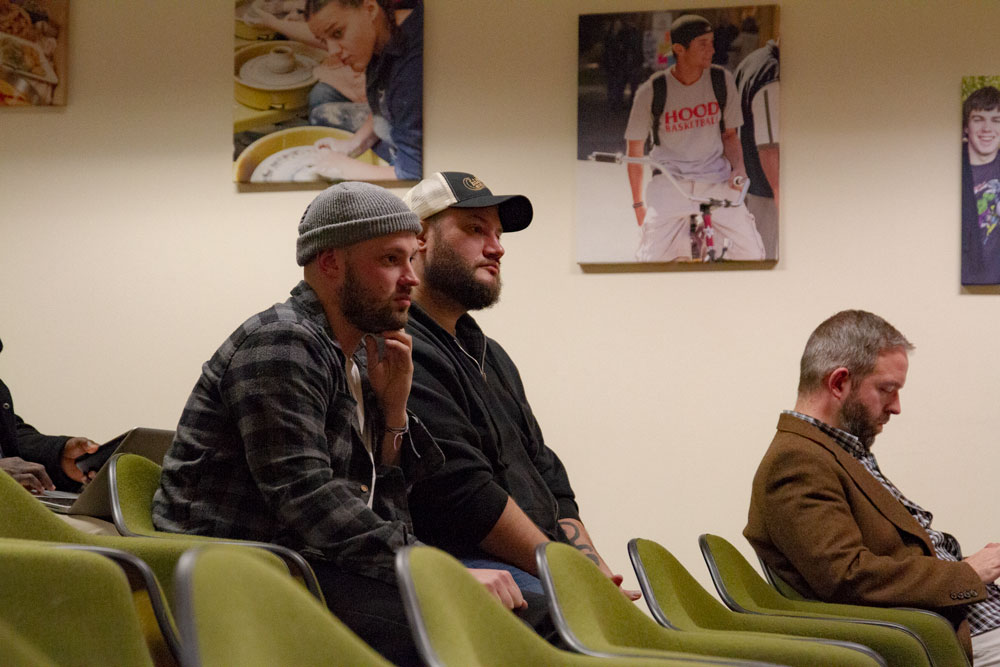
(396, 347)
(77, 447)
(399, 336)
(371, 349)
(632, 595)
(501, 585)
(640, 215)
(30, 482)
(38, 470)
(30, 475)
(73, 450)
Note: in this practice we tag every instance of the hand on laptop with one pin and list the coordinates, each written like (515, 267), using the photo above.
(31, 476)
(74, 449)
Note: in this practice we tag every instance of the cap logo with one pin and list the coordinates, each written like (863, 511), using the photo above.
(473, 183)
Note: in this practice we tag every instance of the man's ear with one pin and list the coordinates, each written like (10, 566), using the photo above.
(425, 229)
(838, 383)
(329, 262)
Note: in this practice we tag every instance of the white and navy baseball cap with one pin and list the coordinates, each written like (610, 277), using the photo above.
(446, 189)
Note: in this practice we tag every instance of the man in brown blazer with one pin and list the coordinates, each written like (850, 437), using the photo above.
(826, 519)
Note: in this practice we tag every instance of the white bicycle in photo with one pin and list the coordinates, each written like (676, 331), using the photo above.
(702, 233)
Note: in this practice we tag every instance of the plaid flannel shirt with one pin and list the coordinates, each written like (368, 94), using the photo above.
(269, 448)
(983, 615)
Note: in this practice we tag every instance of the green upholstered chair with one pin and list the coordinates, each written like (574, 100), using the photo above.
(26, 518)
(17, 651)
(778, 583)
(593, 617)
(71, 606)
(233, 609)
(133, 480)
(743, 590)
(677, 600)
(457, 623)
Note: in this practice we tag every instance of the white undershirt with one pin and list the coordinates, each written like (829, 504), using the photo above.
(354, 386)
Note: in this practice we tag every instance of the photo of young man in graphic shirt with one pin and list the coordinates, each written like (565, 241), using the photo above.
(981, 187)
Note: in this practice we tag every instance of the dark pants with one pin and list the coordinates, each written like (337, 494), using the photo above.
(371, 608)
(374, 611)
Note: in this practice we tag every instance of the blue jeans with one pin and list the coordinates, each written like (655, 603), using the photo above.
(329, 107)
(524, 581)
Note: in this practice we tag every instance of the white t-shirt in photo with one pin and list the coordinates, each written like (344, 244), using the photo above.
(690, 140)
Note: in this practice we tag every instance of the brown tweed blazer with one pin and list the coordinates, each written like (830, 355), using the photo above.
(833, 532)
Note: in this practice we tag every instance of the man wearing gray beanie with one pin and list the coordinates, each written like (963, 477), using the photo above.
(297, 431)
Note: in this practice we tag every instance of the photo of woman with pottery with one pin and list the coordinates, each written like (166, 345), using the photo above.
(370, 83)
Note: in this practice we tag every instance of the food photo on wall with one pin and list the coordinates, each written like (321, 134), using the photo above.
(33, 52)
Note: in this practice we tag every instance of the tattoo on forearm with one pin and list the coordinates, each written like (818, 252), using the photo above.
(576, 539)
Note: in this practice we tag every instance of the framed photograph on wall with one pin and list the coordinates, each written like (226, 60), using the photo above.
(328, 90)
(677, 136)
(980, 180)
(33, 52)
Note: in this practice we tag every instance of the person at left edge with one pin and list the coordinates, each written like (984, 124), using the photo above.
(297, 431)
(38, 462)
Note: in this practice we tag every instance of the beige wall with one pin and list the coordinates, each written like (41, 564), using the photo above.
(127, 255)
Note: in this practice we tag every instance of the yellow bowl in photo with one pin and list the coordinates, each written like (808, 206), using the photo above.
(261, 97)
(306, 135)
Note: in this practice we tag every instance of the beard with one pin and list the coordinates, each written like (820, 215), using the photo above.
(450, 275)
(366, 310)
(856, 420)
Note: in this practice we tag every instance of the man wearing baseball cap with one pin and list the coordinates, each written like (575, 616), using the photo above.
(501, 490)
(297, 431)
(690, 114)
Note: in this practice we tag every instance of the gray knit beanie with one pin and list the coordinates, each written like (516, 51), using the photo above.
(348, 213)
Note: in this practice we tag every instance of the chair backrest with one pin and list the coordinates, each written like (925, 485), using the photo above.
(593, 617)
(26, 518)
(232, 609)
(674, 597)
(455, 621)
(133, 480)
(777, 583)
(589, 611)
(51, 598)
(738, 584)
(16, 651)
(742, 589)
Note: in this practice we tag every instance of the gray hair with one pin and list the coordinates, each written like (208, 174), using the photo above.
(853, 339)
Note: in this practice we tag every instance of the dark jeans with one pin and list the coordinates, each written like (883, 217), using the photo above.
(371, 608)
(374, 611)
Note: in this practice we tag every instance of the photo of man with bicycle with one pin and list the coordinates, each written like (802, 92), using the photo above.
(692, 112)
(685, 178)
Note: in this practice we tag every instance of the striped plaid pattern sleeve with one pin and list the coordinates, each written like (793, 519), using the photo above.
(298, 425)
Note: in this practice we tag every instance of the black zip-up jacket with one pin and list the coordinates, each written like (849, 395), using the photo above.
(468, 393)
(20, 439)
